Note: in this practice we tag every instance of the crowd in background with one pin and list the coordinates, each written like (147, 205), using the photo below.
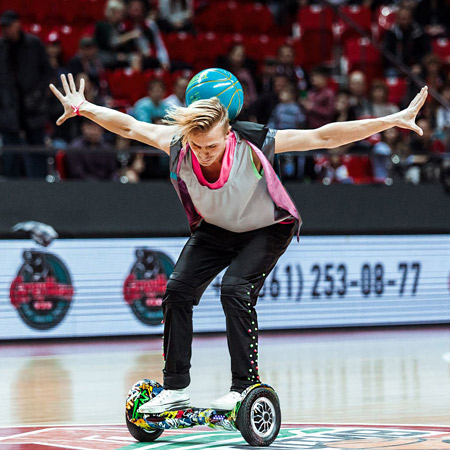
(278, 91)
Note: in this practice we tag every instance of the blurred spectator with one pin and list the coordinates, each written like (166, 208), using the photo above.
(24, 76)
(62, 135)
(287, 66)
(425, 158)
(176, 15)
(319, 104)
(332, 169)
(358, 94)
(344, 111)
(443, 118)
(287, 114)
(382, 152)
(237, 62)
(178, 98)
(433, 16)
(406, 40)
(428, 143)
(379, 105)
(152, 107)
(246, 112)
(88, 62)
(267, 73)
(86, 164)
(146, 49)
(54, 54)
(432, 72)
(109, 36)
(262, 107)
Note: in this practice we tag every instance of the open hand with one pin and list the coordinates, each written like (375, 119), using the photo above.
(72, 99)
(407, 117)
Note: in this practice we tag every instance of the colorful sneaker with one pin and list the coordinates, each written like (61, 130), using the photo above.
(166, 400)
(227, 402)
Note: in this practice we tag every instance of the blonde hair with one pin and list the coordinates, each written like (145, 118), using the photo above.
(202, 115)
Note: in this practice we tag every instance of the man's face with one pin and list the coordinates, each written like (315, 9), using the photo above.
(156, 92)
(286, 55)
(209, 146)
(180, 88)
(404, 18)
(12, 32)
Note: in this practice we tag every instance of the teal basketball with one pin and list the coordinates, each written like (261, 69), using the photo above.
(217, 83)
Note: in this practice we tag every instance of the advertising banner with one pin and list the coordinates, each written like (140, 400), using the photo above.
(113, 287)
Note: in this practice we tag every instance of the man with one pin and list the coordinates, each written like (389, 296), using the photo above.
(81, 164)
(240, 215)
(24, 75)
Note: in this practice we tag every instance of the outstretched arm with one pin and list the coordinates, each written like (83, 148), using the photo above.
(158, 136)
(341, 133)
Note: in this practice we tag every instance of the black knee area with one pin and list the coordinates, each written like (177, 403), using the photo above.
(236, 296)
(179, 295)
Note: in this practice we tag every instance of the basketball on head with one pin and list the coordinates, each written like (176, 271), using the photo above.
(217, 83)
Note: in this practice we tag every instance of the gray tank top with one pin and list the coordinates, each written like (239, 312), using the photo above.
(243, 203)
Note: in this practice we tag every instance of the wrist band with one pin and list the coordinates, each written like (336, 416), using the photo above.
(76, 109)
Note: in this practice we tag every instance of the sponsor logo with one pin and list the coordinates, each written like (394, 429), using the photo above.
(144, 287)
(42, 291)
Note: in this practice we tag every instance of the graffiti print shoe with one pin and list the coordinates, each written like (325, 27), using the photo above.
(166, 400)
(227, 402)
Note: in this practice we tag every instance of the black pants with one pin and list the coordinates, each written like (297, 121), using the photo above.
(250, 257)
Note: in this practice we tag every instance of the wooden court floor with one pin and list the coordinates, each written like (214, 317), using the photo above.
(355, 376)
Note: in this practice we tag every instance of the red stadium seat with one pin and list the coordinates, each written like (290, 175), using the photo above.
(69, 11)
(43, 11)
(258, 47)
(90, 11)
(70, 39)
(126, 86)
(181, 47)
(360, 15)
(316, 24)
(397, 89)
(19, 6)
(258, 18)
(61, 164)
(231, 17)
(315, 18)
(359, 168)
(362, 55)
(207, 20)
(441, 47)
(209, 45)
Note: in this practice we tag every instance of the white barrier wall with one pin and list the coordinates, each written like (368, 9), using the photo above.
(76, 287)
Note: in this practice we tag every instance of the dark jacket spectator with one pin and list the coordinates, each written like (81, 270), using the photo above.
(87, 61)
(146, 49)
(84, 164)
(109, 37)
(24, 77)
(434, 17)
(406, 40)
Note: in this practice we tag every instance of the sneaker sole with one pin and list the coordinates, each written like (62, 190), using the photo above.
(173, 407)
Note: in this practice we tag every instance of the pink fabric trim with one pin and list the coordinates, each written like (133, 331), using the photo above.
(225, 170)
